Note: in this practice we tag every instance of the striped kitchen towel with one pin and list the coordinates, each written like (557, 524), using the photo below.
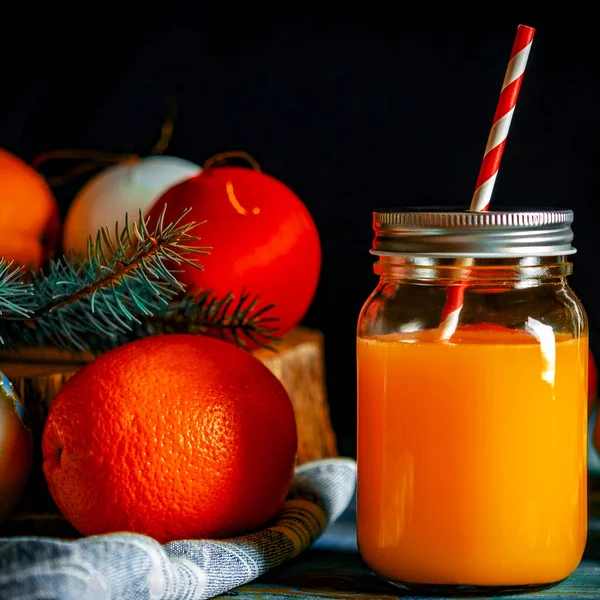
(127, 566)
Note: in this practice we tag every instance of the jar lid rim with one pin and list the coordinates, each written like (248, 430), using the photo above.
(442, 231)
(448, 218)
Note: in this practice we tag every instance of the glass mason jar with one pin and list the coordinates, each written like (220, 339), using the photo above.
(472, 403)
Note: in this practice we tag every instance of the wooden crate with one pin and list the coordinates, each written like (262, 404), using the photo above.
(38, 375)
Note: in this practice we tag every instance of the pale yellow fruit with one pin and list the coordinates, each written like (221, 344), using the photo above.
(123, 188)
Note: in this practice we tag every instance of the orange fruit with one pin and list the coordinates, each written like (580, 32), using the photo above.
(16, 444)
(29, 217)
(173, 436)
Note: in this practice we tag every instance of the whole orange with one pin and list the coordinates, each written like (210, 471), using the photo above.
(29, 218)
(172, 436)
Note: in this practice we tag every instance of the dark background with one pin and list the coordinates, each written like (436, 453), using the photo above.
(350, 111)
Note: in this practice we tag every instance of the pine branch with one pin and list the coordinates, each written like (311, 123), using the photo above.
(124, 290)
(92, 304)
(202, 312)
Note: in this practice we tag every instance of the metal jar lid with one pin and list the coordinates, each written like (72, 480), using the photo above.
(448, 233)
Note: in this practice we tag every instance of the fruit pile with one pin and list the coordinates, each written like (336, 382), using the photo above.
(173, 436)
(263, 239)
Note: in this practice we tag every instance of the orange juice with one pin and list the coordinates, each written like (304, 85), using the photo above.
(472, 456)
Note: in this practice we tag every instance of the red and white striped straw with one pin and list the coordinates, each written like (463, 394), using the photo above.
(491, 161)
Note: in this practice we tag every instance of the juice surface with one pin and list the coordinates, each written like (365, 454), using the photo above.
(472, 466)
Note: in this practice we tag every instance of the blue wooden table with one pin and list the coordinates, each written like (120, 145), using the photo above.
(333, 569)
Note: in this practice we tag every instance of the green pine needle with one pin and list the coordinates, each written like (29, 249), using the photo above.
(16, 296)
(16, 299)
(202, 312)
(92, 303)
(126, 288)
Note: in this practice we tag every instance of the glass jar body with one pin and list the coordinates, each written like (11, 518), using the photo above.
(472, 466)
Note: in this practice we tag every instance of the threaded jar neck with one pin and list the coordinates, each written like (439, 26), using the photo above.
(500, 271)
